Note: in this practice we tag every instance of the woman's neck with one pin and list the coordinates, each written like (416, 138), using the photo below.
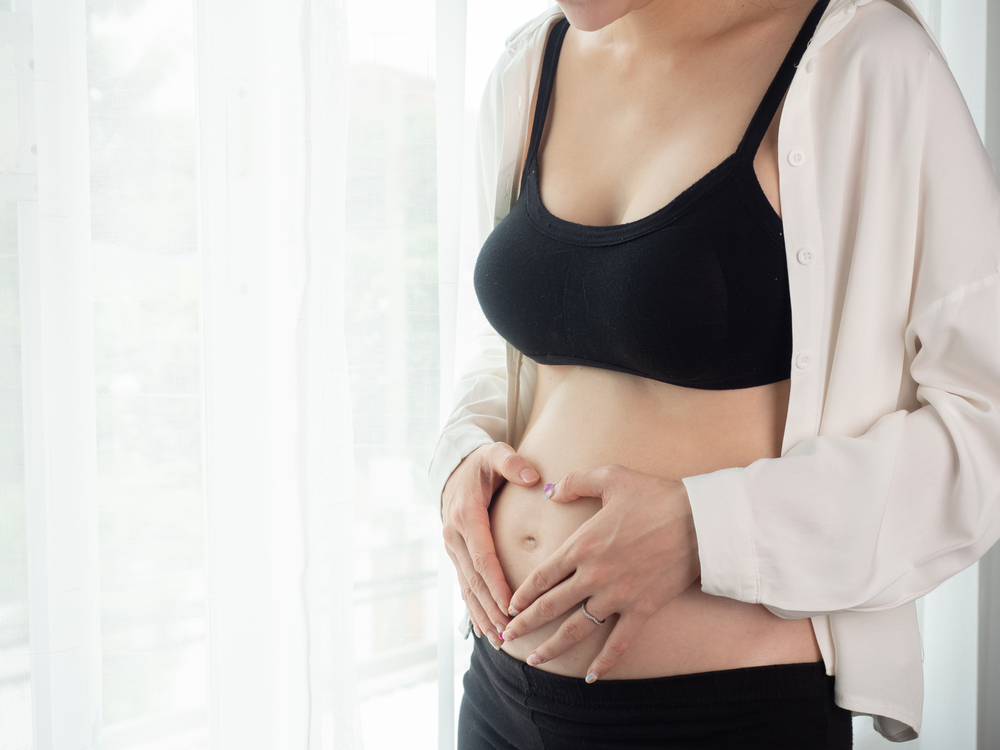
(666, 29)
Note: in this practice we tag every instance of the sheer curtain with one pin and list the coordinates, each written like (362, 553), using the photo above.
(236, 245)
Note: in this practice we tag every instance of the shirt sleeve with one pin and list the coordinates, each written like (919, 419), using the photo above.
(871, 521)
(479, 405)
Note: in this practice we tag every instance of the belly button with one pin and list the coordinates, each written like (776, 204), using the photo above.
(529, 543)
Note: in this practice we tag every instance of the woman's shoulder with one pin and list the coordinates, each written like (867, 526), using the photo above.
(888, 32)
(531, 31)
(515, 65)
(523, 48)
(874, 56)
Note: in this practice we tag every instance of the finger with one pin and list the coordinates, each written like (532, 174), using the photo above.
(622, 635)
(505, 461)
(476, 612)
(497, 619)
(584, 483)
(483, 554)
(547, 575)
(545, 609)
(576, 627)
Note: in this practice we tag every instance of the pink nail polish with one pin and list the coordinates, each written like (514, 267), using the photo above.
(549, 490)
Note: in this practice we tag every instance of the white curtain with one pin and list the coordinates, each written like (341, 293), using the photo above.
(236, 246)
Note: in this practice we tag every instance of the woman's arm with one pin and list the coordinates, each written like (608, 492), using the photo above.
(870, 521)
(473, 457)
(479, 397)
(479, 404)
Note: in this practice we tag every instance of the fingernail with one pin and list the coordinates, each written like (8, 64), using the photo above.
(500, 628)
(549, 490)
(529, 475)
(508, 635)
(513, 612)
(533, 659)
(477, 631)
(494, 640)
(591, 677)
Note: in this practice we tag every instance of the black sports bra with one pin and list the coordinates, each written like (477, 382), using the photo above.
(695, 294)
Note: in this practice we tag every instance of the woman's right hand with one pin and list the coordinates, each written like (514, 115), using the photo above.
(465, 503)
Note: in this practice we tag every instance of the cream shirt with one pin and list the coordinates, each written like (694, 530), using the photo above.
(888, 481)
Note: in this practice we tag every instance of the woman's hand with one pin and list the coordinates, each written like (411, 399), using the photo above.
(632, 557)
(465, 503)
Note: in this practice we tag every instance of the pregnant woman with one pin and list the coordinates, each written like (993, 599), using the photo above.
(681, 576)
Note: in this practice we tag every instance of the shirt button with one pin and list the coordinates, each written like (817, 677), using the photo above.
(805, 256)
(811, 65)
(802, 361)
(796, 157)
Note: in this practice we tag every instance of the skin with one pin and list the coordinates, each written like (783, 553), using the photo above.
(649, 96)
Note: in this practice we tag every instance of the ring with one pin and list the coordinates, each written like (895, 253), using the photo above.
(587, 614)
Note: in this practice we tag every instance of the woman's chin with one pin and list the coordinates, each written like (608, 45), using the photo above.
(593, 15)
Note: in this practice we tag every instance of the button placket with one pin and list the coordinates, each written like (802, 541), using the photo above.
(796, 158)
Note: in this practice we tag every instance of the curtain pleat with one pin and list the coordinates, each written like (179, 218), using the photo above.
(279, 462)
(57, 355)
(325, 421)
(449, 47)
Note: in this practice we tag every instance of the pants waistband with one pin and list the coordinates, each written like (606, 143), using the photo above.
(519, 680)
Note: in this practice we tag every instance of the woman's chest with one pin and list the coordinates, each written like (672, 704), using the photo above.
(696, 295)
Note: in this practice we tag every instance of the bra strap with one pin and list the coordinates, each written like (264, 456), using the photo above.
(762, 118)
(759, 123)
(552, 47)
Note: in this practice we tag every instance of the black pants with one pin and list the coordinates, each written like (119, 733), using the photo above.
(509, 705)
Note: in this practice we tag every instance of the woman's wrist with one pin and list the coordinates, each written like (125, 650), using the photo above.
(453, 474)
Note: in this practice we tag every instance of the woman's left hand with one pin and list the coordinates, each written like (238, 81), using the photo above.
(633, 557)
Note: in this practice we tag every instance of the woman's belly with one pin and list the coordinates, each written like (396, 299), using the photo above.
(584, 417)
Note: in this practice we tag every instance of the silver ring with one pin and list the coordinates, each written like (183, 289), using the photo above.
(587, 614)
